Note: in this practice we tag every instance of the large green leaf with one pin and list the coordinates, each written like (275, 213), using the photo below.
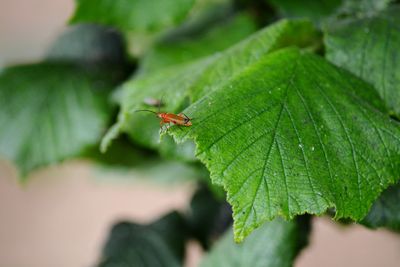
(275, 244)
(50, 112)
(369, 48)
(312, 9)
(179, 84)
(293, 134)
(132, 15)
(158, 244)
(385, 212)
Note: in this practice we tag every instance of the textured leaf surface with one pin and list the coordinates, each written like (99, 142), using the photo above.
(312, 9)
(49, 113)
(385, 212)
(369, 48)
(275, 244)
(183, 48)
(132, 15)
(158, 244)
(179, 84)
(294, 134)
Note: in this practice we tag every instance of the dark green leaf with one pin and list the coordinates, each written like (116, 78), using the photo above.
(275, 244)
(124, 161)
(129, 163)
(209, 10)
(87, 43)
(369, 48)
(178, 49)
(50, 112)
(179, 84)
(363, 7)
(158, 244)
(208, 216)
(122, 154)
(315, 10)
(293, 134)
(132, 15)
(385, 212)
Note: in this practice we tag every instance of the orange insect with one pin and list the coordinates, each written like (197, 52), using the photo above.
(180, 119)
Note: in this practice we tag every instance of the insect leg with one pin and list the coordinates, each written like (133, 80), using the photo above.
(183, 115)
(165, 123)
(162, 123)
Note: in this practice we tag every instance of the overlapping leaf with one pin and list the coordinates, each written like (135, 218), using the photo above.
(208, 216)
(369, 48)
(275, 244)
(385, 212)
(50, 112)
(294, 134)
(284, 134)
(178, 85)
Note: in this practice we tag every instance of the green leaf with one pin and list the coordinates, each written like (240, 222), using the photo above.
(178, 85)
(169, 149)
(126, 162)
(369, 48)
(50, 112)
(208, 216)
(275, 244)
(121, 155)
(315, 10)
(158, 244)
(363, 7)
(293, 134)
(88, 43)
(132, 15)
(385, 212)
(202, 15)
(183, 48)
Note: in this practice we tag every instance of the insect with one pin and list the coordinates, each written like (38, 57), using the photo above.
(166, 118)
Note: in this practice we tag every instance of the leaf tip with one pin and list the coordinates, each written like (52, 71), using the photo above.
(109, 137)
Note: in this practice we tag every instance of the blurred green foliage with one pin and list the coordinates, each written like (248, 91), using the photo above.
(294, 106)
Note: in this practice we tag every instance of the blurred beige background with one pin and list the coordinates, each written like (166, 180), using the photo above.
(62, 215)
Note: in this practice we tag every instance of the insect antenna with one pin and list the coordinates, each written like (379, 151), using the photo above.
(190, 119)
(139, 110)
(159, 103)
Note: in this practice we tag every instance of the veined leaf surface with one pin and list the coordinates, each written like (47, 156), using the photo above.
(293, 134)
